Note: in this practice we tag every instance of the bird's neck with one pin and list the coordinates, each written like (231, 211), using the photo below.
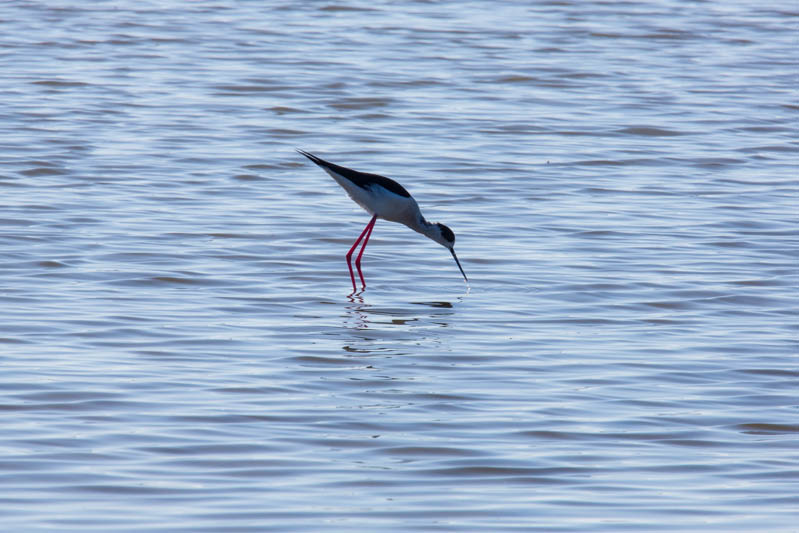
(426, 228)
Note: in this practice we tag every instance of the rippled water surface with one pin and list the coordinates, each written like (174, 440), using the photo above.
(179, 344)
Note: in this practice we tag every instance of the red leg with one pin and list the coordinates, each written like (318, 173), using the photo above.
(368, 228)
(360, 254)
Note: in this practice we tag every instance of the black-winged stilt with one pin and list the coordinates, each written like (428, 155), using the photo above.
(384, 198)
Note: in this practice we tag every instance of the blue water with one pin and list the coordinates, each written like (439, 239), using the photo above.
(180, 346)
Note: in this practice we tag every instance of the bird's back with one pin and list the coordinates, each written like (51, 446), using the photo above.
(363, 180)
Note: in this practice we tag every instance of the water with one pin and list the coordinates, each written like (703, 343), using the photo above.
(179, 345)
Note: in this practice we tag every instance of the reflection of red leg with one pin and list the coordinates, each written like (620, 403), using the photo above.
(368, 228)
(360, 254)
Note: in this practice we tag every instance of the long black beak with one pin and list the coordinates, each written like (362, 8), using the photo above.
(459, 264)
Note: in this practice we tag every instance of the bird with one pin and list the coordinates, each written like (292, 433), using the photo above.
(383, 198)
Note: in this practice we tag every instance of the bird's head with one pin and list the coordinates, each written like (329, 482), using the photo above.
(446, 238)
(442, 235)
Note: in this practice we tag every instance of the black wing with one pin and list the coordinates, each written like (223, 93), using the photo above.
(363, 180)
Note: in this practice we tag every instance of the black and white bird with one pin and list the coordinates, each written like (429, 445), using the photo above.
(384, 198)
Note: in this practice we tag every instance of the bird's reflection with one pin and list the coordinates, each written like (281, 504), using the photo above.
(444, 305)
(362, 315)
(357, 316)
